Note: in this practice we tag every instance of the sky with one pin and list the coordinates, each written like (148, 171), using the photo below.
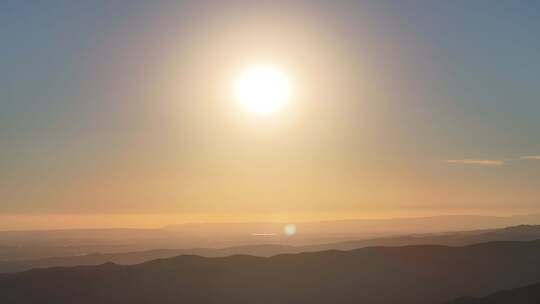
(122, 112)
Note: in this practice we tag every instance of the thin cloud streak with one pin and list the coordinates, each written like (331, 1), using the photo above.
(477, 162)
(491, 162)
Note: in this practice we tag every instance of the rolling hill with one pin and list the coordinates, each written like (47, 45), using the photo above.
(524, 295)
(32, 245)
(516, 233)
(375, 275)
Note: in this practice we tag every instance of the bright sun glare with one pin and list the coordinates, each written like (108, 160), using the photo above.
(263, 90)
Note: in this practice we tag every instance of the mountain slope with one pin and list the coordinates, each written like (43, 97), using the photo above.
(413, 274)
(460, 238)
(32, 245)
(516, 233)
(524, 295)
(130, 258)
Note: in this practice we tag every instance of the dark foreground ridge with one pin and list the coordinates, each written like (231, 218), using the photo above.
(412, 274)
(523, 295)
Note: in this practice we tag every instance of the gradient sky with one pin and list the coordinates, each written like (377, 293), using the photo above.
(400, 107)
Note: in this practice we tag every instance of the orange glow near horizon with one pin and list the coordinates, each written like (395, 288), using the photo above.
(154, 221)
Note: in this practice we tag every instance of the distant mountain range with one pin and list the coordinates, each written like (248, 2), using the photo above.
(516, 233)
(375, 275)
(31, 245)
(524, 295)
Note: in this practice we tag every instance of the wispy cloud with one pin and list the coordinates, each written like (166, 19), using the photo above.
(476, 162)
(263, 234)
(491, 162)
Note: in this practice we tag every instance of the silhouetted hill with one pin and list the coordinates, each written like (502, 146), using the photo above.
(129, 258)
(524, 295)
(31, 245)
(517, 233)
(412, 274)
(461, 238)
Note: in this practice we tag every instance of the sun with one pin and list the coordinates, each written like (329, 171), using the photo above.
(262, 89)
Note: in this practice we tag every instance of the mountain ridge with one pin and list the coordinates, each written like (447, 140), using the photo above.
(529, 294)
(522, 232)
(376, 275)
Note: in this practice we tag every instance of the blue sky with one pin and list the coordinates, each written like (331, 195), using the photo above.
(407, 106)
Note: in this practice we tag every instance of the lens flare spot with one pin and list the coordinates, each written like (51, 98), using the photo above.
(289, 230)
